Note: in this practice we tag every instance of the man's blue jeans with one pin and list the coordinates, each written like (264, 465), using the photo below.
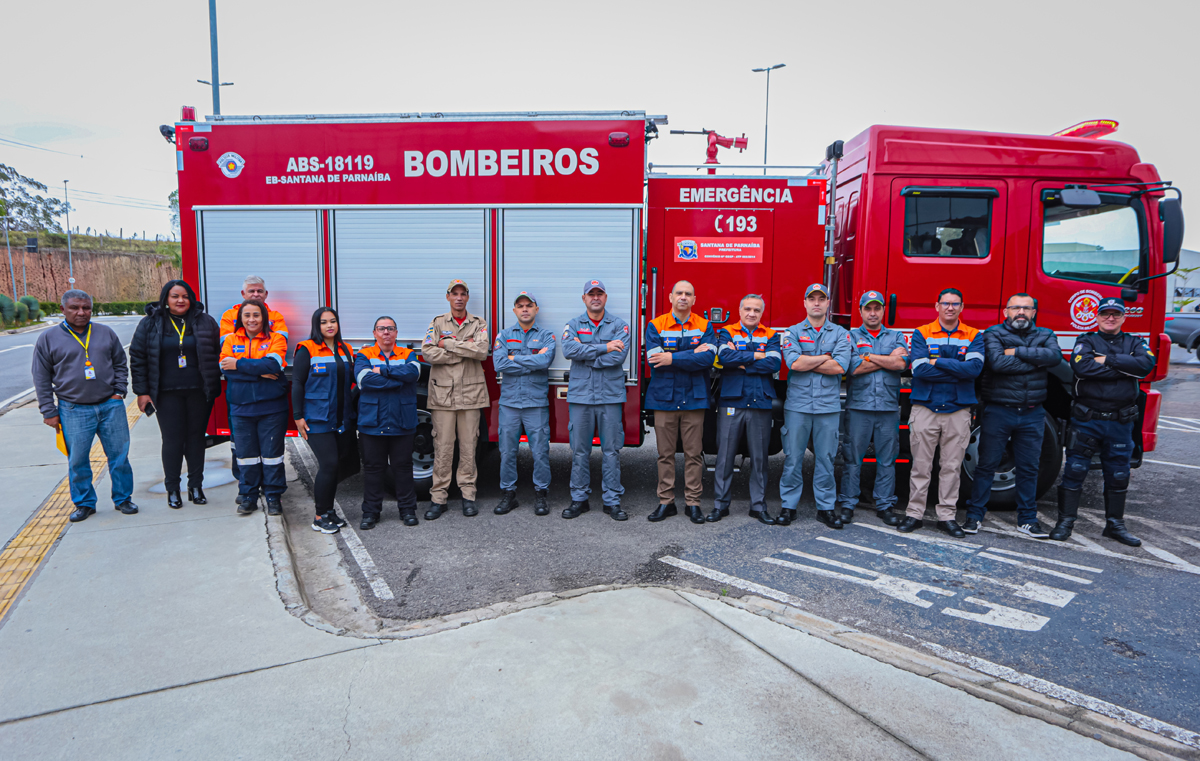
(1025, 427)
(81, 423)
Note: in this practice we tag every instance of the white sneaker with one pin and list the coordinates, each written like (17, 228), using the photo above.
(1034, 529)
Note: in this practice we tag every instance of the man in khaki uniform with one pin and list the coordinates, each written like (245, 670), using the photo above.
(455, 345)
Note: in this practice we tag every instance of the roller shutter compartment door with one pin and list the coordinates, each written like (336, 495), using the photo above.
(281, 247)
(397, 262)
(552, 252)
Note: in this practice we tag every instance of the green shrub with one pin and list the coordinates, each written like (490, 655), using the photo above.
(8, 309)
(49, 307)
(34, 306)
(22, 311)
(119, 307)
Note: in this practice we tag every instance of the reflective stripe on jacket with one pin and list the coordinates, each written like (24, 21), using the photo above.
(747, 382)
(683, 384)
(597, 375)
(526, 377)
(812, 392)
(878, 391)
(387, 400)
(275, 321)
(247, 391)
(456, 380)
(949, 384)
(317, 401)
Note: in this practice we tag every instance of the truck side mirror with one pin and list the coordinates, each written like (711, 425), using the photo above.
(1129, 295)
(1170, 211)
(1076, 196)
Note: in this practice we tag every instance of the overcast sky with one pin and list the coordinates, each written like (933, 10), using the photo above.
(96, 79)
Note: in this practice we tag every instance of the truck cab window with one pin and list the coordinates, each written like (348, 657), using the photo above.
(1100, 244)
(947, 225)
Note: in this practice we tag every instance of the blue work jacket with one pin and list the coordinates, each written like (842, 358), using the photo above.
(315, 388)
(949, 384)
(878, 391)
(683, 384)
(249, 394)
(387, 400)
(597, 375)
(811, 392)
(746, 382)
(526, 377)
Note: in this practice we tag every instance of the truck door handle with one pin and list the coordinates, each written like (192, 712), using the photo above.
(891, 313)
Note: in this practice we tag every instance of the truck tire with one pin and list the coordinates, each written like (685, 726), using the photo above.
(423, 454)
(1004, 487)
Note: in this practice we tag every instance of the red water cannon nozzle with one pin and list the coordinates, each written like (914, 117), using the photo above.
(715, 141)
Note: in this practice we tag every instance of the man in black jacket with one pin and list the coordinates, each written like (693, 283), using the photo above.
(1018, 356)
(1108, 366)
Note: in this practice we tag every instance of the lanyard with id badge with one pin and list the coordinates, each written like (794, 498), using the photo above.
(89, 372)
(180, 331)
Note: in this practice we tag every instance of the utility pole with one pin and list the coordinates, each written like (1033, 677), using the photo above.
(212, 36)
(70, 261)
(767, 115)
(11, 273)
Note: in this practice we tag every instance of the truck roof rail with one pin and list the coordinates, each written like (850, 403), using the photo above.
(651, 167)
(461, 116)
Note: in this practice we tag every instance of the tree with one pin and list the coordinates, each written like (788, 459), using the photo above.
(21, 197)
(173, 202)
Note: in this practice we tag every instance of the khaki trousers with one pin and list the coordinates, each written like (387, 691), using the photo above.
(669, 426)
(927, 431)
(445, 424)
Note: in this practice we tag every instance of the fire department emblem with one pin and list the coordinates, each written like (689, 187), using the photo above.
(231, 164)
(1082, 309)
(688, 251)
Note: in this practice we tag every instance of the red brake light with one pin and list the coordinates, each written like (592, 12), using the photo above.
(198, 143)
(618, 139)
(187, 114)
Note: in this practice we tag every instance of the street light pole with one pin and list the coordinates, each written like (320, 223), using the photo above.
(212, 37)
(70, 261)
(11, 273)
(767, 114)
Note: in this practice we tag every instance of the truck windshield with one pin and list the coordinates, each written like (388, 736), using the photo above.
(1101, 244)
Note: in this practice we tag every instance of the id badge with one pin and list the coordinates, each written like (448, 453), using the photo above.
(182, 361)
(89, 373)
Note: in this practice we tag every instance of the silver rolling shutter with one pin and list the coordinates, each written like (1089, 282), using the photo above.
(398, 262)
(552, 252)
(281, 247)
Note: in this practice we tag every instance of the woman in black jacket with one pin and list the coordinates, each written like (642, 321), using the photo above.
(173, 363)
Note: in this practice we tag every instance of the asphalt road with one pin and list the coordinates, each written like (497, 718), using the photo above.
(1112, 622)
(16, 353)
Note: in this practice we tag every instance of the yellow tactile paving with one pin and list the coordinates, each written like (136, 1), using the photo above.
(26, 551)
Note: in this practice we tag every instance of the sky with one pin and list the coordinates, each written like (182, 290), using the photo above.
(102, 78)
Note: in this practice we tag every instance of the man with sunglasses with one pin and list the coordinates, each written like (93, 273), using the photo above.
(947, 357)
(1014, 385)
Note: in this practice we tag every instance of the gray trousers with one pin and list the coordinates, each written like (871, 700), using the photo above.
(731, 423)
(861, 426)
(586, 419)
(824, 429)
(536, 422)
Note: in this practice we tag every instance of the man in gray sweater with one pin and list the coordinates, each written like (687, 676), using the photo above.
(83, 364)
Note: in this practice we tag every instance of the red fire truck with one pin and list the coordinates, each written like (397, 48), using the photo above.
(374, 214)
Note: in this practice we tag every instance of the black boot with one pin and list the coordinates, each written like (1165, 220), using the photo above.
(1068, 511)
(540, 505)
(1114, 514)
(174, 499)
(507, 503)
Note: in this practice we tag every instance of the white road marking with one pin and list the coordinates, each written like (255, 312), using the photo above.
(1035, 568)
(1087, 545)
(15, 397)
(14, 348)
(1062, 563)
(961, 546)
(365, 562)
(1143, 519)
(733, 581)
(901, 589)
(1176, 464)
(1178, 429)
(999, 615)
(1029, 590)
(1157, 552)
(1103, 707)
(1192, 423)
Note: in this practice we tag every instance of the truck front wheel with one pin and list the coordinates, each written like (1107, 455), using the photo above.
(1004, 487)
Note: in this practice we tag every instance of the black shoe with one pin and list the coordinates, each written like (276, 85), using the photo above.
(970, 526)
(196, 496)
(126, 508)
(174, 500)
(274, 506)
(237, 500)
(434, 512)
(910, 524)
(887, 517)
(844, 514)
(409, 517)
(786, 517)
(335, 518)
(81, 514)
(829, 518)
(576, 509)
(717, 514)
(247, 505)
(694, 514)
(616, 513)
(952, 528)
(469, 509)
(1068, 511)
(662, 512)
(507, 503)
(368, 522)
(540, 505)
(763, 517)
(1034, 529)
(325, 524)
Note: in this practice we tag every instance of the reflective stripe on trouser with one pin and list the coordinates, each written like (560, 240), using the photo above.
(234, 468)
(1114, 443)
(824, 430)
(450, 426)
(260, 454)
(536, 422)
(999, 424)
(586, 419)
(861, 427)
(81, 423)
(927, 431)
(731, 423)
(670, 426)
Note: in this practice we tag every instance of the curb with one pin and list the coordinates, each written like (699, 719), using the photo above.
(30, 328)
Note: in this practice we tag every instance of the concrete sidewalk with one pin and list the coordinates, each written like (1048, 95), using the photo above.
(162, 634)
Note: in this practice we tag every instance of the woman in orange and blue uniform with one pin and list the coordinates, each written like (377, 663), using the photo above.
(324, 406)
(252, 358)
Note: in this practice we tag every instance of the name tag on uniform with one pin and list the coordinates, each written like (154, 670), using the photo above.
(182, 361)
(89, 373)
(729, 410)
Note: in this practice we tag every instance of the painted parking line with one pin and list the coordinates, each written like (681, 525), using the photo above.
(1185, 424)
(1176, 464)
(25, 552)
(733, 581)
(1082, 543)
(892, 586)
(14, 348)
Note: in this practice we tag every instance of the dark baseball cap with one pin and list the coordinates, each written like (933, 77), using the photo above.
(816, 287)
(1112, 303)
(525, 295)
(869, 297)
(589, 285)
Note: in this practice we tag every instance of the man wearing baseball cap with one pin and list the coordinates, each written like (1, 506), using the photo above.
(1108, 365)
(878, 355)
(597, 343)
(522, 355)
(455, 346)
(817, 353)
